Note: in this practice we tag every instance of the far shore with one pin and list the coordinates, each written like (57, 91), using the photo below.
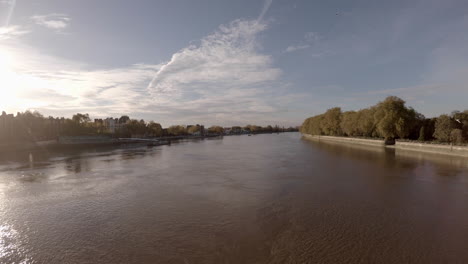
(98, 141)
(454, 150)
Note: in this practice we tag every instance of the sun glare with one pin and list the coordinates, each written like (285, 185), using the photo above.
(8, 83)
(5, 61)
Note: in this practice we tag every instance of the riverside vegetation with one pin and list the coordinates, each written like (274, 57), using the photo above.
(390, 119)
(32, 126)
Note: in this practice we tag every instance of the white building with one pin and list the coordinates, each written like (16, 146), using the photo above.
(112, 124)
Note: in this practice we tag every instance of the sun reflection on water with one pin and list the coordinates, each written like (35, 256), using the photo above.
(10, 248)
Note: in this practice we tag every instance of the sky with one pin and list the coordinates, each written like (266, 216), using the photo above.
(224, 62)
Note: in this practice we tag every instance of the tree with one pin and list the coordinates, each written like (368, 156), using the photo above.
(313, 125)
(393, 119)
(330, 124)
(81, 118)
(135, 127)
(155, 129)
(461, 119)
(429, 128)
(124, 119)
(177, 130)
(417, 120)
(193, 129)
(253, 128)
(456, 136)
(422, 134)
(216, 130)
(365, 122)
(443, 127)
(349, 123)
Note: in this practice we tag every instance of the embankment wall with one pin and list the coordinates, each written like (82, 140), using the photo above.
(422, 147)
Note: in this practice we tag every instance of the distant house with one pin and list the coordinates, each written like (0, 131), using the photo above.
(111, 125)
(6, 126)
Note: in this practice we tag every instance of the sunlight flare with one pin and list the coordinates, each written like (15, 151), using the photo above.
(9, 81)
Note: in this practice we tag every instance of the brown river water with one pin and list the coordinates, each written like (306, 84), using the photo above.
(260, 199)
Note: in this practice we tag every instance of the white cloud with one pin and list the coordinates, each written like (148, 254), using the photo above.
(224, 80)
(297, 47)
(224, 73)
(53, 21)
(62, 87)
(310, 39)
(266, 6)
(11, 32)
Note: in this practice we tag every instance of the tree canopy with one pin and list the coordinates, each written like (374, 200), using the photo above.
(389, 119)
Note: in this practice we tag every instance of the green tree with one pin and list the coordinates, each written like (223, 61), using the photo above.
(124, 119)
(193, 129)
(365, 122)
(216, 130)
(154, 129)
(416, 121)
(393, 119)
(313, 125)
(443, 127)
(456, 136)
(461, 119)
(177, 130)
(330, 124)
(136, 128)
(81, 118)
(422, 134)
(253, 128)
(349, 123)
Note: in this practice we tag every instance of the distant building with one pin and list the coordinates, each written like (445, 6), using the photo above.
(112, 125)
(202, 130)
(6, 126)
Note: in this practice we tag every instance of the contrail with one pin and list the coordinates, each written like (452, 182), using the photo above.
(12, 4)
(266, 6)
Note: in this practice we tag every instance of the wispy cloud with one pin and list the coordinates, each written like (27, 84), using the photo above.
(11, 32)
(9, 11)
(224, 73)
(54, 21)
(224, 79)
(310, 39)
(62, 87)
(7, 2)
(266, 6)
(297, 47)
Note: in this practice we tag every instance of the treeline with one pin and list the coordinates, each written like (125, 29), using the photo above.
(33, 126)
(82, 125)
(390, 119)
(254, 129)
(179, 130)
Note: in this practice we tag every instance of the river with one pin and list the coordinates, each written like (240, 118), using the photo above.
(239, 199)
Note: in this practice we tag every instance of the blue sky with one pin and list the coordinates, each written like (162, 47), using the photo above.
(231, 62)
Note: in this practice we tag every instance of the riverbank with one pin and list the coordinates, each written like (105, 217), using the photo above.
(461, 151)
(81, 142)
(95, 141)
